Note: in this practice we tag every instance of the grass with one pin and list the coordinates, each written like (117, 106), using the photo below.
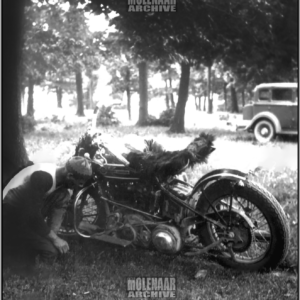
(95, 270)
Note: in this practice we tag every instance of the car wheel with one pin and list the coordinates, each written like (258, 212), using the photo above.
(264, 131)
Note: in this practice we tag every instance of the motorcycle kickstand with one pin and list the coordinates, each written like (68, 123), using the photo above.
(206, 249)
(231, 252)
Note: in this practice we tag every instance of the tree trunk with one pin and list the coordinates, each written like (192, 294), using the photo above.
(196, 102)
(177, 125)
(209, 91)
(171, 94)
(167, 95)
(91, 102)
(234, 101)
(30, 110)
(171, 88)
(143, 91)
(225, 95)
(59, 93)
(22, 99)
(243, 97)
(205, 98)
(80, 110)
(200, 102)
(14, 156)
(127, 80)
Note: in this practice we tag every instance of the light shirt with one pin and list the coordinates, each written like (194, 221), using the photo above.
(23, 176)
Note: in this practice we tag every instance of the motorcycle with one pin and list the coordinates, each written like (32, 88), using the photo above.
(141, 199)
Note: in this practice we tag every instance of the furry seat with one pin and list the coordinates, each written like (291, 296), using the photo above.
(154, 161)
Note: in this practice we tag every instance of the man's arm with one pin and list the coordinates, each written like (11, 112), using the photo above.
(39, 225)
(59, 243)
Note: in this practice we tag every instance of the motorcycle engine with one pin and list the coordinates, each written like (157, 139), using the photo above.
(167, 239)
(135, 230)
(171, 209)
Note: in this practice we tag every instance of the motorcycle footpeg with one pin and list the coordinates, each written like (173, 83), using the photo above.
(111, 239)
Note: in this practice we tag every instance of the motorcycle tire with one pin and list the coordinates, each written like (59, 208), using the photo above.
(92, 210)
(274, 241)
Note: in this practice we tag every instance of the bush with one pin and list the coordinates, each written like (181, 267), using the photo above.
(106, 116)
(165, 118)
(28, 123)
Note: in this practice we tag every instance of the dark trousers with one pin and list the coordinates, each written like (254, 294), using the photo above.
(21, 244)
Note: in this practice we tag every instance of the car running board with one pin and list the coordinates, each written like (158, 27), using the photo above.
(110, 239)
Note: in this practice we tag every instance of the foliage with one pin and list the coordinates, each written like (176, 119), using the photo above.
(166, 117)
(197, 81)
(28, 123)
(106, 116)
(273, 52)
(284, 186)
(37, 39)
(58, 44)
(256, 40)
(120, 64)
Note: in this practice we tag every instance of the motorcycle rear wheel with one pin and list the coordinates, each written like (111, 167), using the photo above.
(259, 249)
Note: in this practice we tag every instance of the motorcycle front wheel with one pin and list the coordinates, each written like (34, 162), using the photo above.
(254, 220)
(90, 209)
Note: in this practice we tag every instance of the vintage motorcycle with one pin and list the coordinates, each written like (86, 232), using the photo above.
(140, 199)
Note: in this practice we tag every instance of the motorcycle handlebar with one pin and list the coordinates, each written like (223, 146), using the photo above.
(122, 159)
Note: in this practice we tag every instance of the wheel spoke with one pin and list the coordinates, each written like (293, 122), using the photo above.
(261, 233)
(87, 210)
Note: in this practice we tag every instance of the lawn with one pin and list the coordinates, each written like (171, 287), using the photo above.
(95, 270)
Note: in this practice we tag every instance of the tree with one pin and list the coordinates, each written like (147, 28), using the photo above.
(207, 31)
(197, 86)
(59, 95)
(178, 121)
(92, 85)
(169, 74)
(209, 90)
(143, 91)
(63, 45)
(14, 156)
(270, 28)
(121, 65)
(35, 50)
(78, 48)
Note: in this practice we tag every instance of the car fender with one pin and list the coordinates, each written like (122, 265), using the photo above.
(219, 174)
(265, 115)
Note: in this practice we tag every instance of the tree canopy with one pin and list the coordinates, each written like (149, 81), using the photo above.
(253, 38)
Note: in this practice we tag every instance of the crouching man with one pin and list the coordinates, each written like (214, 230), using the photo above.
(34, 203)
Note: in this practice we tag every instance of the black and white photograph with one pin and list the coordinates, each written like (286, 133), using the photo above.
(150, 149)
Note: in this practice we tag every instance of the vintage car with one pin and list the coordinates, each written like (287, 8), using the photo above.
(273, 111)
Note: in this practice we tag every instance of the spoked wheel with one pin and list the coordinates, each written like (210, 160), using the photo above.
(90, 210)
(256, 228)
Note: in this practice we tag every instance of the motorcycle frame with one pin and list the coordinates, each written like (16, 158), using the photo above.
(235, 176)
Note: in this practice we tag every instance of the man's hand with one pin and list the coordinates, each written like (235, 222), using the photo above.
(61, 245)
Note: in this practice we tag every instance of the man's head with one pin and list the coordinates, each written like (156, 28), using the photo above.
(78, 169)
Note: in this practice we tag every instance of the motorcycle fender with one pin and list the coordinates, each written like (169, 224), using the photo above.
(219, 174)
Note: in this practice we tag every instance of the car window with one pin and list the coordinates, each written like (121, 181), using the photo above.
(264, 94)
(282, 94)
